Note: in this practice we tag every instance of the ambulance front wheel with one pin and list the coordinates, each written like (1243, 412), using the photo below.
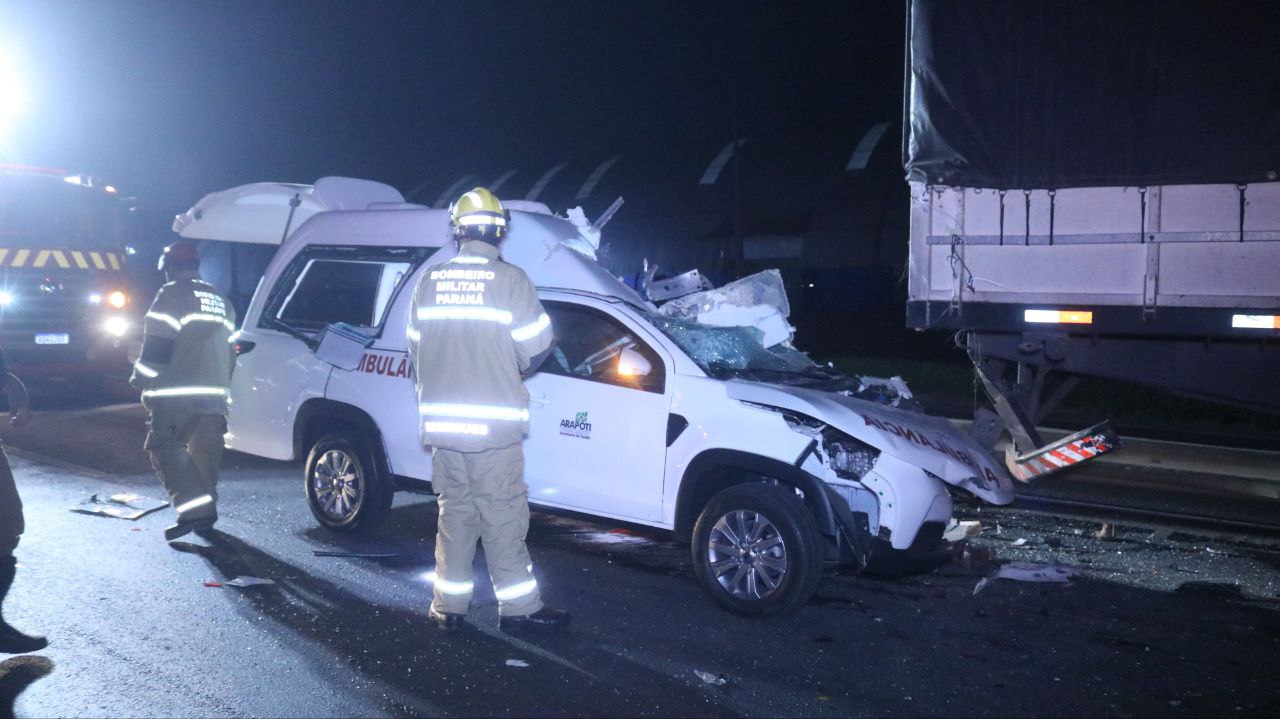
(346, 488)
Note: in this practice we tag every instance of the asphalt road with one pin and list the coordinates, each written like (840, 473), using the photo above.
(135, 632)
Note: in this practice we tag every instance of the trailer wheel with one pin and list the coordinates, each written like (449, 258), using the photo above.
(346, 490)
(756, 550)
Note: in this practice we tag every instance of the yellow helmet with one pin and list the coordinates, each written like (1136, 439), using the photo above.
(478, 215)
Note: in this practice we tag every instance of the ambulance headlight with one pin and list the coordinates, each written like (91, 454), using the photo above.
(850, 458)
(116, 326)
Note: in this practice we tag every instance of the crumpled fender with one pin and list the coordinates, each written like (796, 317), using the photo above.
(933, 444)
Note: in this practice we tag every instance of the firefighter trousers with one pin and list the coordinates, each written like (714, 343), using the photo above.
(186, 452)
(482, 496)
(11, 524)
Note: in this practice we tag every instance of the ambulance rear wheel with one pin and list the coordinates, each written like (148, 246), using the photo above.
(346, 488)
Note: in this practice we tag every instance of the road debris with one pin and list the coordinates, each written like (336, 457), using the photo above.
(1020, 541)
(1028, 572)
(121, 505)
(212, 583)
(243, 582)
(972, 556)
(711, 678)
(1107, 531)
(517, 663)
(962, 529)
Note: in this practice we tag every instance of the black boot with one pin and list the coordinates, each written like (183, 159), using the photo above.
(543, 620)
(13, 641)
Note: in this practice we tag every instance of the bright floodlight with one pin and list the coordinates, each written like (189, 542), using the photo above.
(13, 98)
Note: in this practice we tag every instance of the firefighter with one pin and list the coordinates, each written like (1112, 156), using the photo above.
(12, 641)
(184, 371)
(476, 329)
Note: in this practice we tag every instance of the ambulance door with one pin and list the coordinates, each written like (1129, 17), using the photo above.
(598, 422)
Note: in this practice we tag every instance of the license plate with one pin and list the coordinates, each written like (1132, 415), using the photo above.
(53, 338)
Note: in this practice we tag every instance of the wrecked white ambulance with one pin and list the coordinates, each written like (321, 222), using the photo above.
(768, 464)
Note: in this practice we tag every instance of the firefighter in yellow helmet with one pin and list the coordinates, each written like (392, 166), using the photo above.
(184, 373)
(476, 329)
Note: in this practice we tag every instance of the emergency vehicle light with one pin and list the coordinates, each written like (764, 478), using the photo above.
(1058, 317)
(6, 299)
(1256, 322)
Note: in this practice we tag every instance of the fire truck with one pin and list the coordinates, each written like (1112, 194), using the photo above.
(66, 310)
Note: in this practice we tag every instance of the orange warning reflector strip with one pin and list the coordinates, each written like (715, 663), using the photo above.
(1058, 317)
(1256, 322)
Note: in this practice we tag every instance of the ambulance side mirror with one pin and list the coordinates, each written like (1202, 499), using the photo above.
(633, 364)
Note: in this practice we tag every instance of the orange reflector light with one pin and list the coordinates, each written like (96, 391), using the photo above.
(1256, 322)
(118, 299)
(1058, 317)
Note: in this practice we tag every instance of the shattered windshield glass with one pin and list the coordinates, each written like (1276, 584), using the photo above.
(727, 352)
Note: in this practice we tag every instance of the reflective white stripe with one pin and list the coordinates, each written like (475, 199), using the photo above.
(475, 411)
(144, 370)
(186, 392)
(197, 502)
(469, 260)
(531, 330)
(530, 568)
(516, 591)
(202, 317)
(447, 587)
(167, 319)
(473, 428)
(413, 334)
(484, 314)
(482, 220)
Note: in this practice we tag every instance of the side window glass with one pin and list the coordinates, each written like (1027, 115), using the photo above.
(589, 346)
(324, 291)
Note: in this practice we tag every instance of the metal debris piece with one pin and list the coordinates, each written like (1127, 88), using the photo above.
(243, 582)
(710, 678)
(121, 505)
(517, 663)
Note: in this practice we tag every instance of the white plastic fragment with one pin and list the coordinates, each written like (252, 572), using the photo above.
(711, 678)
(959, 530)
(588, 240)
(517, 663)
(1028, 572)
(1020, 541)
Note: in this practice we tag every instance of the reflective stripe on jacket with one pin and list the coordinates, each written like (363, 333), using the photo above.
(475, 325)
(186, 354)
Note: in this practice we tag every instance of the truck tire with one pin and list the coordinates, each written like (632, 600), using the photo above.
(346, 489)
(756, 550)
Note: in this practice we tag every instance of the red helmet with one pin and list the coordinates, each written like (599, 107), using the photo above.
(181, 254)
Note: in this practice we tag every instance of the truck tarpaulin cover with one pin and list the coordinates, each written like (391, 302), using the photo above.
(1062, 93)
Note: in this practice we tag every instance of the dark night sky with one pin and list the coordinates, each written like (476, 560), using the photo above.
(174, 99)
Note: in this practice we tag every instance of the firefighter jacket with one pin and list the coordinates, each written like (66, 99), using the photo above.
(186, 355)
(475, 326)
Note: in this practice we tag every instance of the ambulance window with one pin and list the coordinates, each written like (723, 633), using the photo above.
(353, 291)
(589, 344)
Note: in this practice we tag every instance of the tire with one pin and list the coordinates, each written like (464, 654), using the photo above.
(347, 490)
(786, 554)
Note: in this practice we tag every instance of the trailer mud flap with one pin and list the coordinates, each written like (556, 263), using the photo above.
(1067, 452)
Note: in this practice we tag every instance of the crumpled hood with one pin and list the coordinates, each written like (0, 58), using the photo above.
(932, 443)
